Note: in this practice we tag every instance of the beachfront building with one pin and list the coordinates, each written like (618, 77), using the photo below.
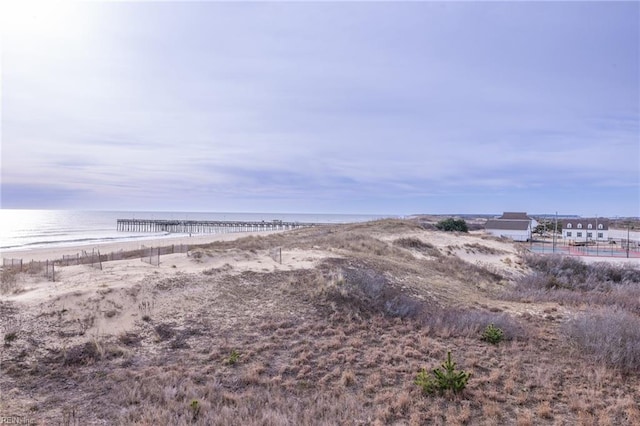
(515, 225)
(585, 229)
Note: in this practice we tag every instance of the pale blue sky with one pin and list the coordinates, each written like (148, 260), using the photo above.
(363, 107)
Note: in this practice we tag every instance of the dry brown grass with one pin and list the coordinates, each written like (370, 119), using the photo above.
(337, 344)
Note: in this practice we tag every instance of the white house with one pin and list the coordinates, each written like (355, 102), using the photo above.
(588, 229)
(515, 225)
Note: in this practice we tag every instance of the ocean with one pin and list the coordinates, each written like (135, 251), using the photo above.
(27, 229)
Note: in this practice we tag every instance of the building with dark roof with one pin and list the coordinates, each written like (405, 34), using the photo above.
(586, 229)
(515, 225)
(514, 216)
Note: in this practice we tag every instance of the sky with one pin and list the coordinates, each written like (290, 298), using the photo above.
(324, 107)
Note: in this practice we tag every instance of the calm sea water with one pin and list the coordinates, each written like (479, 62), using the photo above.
(26, 229)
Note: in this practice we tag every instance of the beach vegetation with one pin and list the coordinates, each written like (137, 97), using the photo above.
(348, 335)
(233, 357)
(492, 334)
(452, 225)
(10, 337)
(8, 279)
(444, 378)
(194, 407)
(608, 336)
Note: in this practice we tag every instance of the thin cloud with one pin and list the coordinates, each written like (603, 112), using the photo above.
(356, 104)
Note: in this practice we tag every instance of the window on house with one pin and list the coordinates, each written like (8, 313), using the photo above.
(600, 226)
(589, 226)
(600, 235)
(590, 234)
(579, 234)
(569, 234)
(568, 226)
(579, 226)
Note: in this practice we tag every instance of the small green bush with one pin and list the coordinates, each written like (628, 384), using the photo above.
(426, 382)
(10, 337)
(492, 334)
(452, 224)
(442, 379)
(233, 358)
(195, 409)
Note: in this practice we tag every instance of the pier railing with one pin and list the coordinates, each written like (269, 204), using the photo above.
(206, 227)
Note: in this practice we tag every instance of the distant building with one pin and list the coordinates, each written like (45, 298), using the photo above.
(515, 225)
(586, 229)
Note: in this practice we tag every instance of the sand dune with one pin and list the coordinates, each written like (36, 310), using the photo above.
(339, 325)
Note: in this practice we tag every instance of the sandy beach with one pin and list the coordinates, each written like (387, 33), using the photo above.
(53, 253)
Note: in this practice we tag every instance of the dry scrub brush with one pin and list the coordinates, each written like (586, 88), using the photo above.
(556, 271)
(417, 244)
(9, 279)
(609, 335)
(367, 292)
(358, 288)
(569, 280)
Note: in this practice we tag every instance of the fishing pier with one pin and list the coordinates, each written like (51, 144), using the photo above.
(206, 227)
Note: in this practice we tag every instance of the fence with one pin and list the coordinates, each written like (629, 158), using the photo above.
(45, 268)
(92, 259)
(71, 260)
(12, 263)
(50, 270)
(276, 254)
(180, 248)
(611, 248)
(151, 255)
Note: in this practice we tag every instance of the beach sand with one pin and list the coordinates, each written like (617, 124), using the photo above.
(54, 253)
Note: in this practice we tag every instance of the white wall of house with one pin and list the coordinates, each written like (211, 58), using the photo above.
(584, 234)
(515, 235)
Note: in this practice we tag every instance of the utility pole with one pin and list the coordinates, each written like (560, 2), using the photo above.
(628, 241)
(596, 234)
(555, 231)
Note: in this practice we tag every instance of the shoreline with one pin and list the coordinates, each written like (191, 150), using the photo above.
(56, 252)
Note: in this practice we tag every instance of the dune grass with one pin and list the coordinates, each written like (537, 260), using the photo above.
(342, 343)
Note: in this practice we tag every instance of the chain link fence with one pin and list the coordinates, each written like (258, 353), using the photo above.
(612, 248)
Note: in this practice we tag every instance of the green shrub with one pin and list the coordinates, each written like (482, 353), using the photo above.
(445, 378)
(492, 334)
(233, 358)
(10, 337)
(195, 409)
(452, 224)
(426, 382)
